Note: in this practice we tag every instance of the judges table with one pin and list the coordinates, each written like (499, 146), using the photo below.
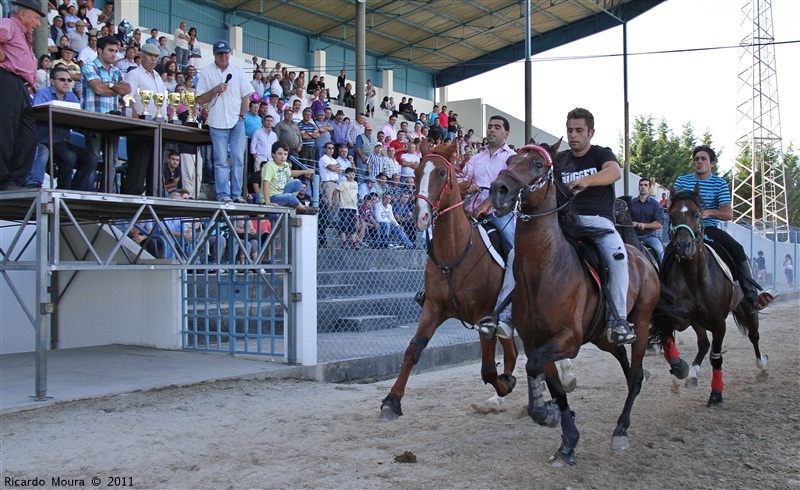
(113, 125)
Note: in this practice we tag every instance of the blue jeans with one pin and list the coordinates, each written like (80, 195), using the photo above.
(288, 198)
(655, 244)
(507, 228)
(386, 230)
(227, 141)
(40, 160)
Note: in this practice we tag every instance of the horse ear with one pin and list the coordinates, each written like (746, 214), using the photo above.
(696, 189)
(424, 147)
(672, 193)
(554, 148)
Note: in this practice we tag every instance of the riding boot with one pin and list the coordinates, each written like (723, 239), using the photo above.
(748, 285)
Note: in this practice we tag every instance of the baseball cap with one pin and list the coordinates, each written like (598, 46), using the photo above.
(222, 46)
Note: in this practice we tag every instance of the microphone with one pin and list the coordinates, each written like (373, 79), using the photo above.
(228, 78)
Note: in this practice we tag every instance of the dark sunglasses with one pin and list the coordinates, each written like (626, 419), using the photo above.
(63, 79)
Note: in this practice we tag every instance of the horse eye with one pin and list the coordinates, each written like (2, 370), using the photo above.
(442, 172)
(697, 215)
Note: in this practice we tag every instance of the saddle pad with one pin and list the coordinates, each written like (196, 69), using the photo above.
(721, 262)
(495, 255)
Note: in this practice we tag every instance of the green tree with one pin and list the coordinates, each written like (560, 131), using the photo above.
(791, 168)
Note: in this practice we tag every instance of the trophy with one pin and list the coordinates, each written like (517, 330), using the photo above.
(158, 98)
(145, 96)
(191, 105)
(174, 101)
(127, 102)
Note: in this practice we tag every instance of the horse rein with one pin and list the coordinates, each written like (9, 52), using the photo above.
(435, 206)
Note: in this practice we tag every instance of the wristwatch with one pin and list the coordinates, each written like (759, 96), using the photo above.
(111, 85)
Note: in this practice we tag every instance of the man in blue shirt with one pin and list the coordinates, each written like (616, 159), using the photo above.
(67, 156)
(647, 218)
(717, 200)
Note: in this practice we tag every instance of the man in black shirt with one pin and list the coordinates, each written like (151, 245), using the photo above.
(590, 171)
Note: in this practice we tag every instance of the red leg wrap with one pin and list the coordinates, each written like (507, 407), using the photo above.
(716, 380)
(670, 351)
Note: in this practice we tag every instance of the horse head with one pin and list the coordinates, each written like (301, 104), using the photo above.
(686, 221)
(525, 174)
(622, 215)
(437, 189)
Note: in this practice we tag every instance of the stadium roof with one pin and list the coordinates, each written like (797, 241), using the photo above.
(455, 39)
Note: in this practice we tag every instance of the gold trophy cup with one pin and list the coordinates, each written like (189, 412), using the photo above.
(145, 96)
(191, 105)
(175, 101)
(158, 98)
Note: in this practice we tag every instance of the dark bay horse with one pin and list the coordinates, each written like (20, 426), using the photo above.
(461, 279)
(700, 284)
(555, 298)
(625, 228)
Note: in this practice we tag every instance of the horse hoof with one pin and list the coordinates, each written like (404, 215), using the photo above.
(691, 382)
(619, 443)
(761, 362)
(570, 384)
(387, 415)
(390, 408)
(564, 456)
(509, 380)
(679, 368)
(715, 399)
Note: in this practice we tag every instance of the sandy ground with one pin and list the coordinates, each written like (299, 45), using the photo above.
(288, 434)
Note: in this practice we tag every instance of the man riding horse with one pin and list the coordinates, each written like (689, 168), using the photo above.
(717, 208)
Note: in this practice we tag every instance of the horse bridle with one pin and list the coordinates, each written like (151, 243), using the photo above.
(527, 187)
(697, 236)
(435, 206)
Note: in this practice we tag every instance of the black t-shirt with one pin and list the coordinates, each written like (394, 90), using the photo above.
(592, 201)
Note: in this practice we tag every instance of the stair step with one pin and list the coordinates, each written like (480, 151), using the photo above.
(366, 323)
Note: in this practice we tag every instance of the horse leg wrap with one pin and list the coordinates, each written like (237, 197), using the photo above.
(421, 344)
(716, 380)
(542, 412)
(670, 351)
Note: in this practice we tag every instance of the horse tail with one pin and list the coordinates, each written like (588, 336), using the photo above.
(740, 319)
(667, 317)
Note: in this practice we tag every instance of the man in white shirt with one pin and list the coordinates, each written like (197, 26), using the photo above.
(274, 109)
(329, 173)
(261, 144)
(226, 90)
(93, 13)
(182, 46)
(89, 53)
(299, 95)
(140, 150)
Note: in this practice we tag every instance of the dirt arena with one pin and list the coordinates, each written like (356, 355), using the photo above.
(288, 434)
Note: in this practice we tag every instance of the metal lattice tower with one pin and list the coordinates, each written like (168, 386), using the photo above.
(759, 183)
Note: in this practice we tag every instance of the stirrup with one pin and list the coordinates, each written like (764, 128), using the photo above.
(486, 327)
(619, 332)
(766, 297)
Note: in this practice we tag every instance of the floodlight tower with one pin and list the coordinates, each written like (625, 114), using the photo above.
(759, 183)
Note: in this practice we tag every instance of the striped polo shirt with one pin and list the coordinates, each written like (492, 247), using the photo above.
(714, 191)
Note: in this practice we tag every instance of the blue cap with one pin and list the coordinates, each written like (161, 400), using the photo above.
(222, 46)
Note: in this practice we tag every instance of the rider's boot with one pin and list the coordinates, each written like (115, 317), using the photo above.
(489, 327)
(620, 332)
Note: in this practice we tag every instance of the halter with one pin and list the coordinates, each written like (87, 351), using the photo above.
(546, 178)
(697, 236)
(449, 183)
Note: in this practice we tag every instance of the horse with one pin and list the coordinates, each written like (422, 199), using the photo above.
(461, 279)
(701, 283)
(556, 299)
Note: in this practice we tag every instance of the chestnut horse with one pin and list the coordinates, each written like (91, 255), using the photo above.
(461, 279)
(556, 298)
(700, 283)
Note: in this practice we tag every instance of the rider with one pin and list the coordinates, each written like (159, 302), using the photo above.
(481, 170)
(717, 208)
(647, 216)
(590, 171)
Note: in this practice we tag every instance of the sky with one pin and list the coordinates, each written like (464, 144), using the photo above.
(699, 87)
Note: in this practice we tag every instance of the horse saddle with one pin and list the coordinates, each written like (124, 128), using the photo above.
(493, 240)
(595, 265)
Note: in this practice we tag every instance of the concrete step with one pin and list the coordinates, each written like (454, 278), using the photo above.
(366, 323)
(401, 306)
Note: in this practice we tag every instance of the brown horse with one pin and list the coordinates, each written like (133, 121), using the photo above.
(556, 299)
(699, 283)
(461, 279)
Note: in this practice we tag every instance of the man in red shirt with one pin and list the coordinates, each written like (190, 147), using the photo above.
(18, 133)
